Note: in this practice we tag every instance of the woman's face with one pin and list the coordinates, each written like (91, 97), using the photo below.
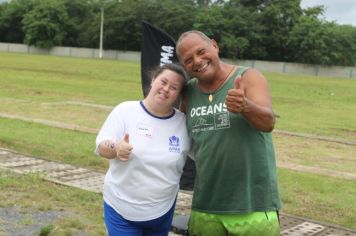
(166, 87)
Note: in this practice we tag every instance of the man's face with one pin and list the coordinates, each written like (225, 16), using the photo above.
(198, 56)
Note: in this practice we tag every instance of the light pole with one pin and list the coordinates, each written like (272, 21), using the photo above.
(101, 33)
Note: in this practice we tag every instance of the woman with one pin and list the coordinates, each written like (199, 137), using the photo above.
(146, 142)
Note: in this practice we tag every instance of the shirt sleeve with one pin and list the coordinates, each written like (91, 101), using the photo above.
(112, 129)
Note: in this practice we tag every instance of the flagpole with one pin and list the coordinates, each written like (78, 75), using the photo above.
(101, 33)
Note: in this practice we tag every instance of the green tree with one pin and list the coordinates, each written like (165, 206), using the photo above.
(211, 21)
(123, 20)
(11, 17)
(203, 3)
(243, 23)
(172, 16)
(122, 24)
(277, 30)
(278, 18)
(234, 27)
(44, 25)
(81, 14)
(342, 41)
(89, 29)
(307, 41)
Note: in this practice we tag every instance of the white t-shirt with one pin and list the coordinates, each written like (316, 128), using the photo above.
(145, 187)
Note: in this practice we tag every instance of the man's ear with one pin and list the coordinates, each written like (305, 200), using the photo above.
(214, 44)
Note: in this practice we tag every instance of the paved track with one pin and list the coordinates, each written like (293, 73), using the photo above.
(92, 181)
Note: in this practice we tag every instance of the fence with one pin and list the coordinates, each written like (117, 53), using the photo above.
(266, 66)
(71, 52)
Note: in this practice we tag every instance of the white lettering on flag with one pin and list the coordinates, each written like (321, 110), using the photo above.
(166, 54)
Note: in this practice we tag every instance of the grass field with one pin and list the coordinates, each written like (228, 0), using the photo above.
(83, 91)
(76, 211)
(315, 105)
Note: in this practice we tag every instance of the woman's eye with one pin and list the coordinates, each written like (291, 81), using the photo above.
(187, 62)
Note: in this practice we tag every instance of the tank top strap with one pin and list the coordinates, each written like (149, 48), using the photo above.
(240, 71)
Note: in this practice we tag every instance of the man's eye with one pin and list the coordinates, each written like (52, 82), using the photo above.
(201, 52)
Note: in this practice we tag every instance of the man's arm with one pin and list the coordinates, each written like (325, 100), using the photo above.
(251, 98)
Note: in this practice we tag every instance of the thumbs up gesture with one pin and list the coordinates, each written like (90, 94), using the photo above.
(235, 99)
(124, 148)
(238, 82)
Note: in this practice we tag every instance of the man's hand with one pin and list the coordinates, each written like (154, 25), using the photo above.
(235, 99)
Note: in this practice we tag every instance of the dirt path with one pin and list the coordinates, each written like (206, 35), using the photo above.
(12, 218)
(94, 131)
(316, 170)
(286, 165)
(316, 137)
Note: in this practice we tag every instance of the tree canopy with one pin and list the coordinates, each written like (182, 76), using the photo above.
(274, 30)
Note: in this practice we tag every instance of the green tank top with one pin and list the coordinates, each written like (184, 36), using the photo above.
(235, 163)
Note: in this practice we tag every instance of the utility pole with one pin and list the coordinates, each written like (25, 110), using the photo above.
(101, 33)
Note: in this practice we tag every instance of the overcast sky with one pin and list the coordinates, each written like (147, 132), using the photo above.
(340, 11)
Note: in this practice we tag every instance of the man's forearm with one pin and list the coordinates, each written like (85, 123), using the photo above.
(261, 118)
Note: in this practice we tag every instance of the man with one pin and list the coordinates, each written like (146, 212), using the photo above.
(230, 119)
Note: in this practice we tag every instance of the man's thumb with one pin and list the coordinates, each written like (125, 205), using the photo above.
(238, 82)
(126, 138)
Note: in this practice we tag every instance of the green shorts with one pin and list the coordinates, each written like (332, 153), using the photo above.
(251, 224)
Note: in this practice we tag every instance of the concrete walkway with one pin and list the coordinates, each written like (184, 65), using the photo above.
(92, 181)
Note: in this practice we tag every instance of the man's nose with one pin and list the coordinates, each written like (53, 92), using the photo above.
(197, 61)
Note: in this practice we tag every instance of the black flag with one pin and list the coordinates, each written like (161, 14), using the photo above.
(157, 48)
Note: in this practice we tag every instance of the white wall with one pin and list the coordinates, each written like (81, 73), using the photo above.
(268, 66)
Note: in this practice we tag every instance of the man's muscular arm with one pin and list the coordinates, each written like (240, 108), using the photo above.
(251, 98)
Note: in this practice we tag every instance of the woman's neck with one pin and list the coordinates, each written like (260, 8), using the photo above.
(157, 110)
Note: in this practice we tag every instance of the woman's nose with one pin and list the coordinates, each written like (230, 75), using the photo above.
(166, 87)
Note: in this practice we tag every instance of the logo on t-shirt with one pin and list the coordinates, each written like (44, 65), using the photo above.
(174, 144)
(210, 117)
